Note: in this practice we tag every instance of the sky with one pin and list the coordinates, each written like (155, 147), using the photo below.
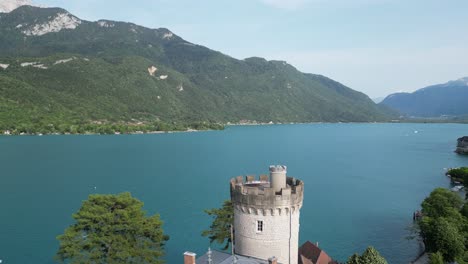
(374, 46)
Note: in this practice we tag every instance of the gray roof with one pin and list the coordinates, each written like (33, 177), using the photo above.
(219, 257)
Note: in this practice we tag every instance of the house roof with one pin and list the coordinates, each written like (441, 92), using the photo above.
(309, 253)
(219, 257)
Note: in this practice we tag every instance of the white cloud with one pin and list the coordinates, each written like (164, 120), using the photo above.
(7, 6)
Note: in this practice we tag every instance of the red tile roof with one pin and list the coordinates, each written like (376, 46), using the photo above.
(309, 253)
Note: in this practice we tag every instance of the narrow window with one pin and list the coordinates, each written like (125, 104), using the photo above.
(259, 226)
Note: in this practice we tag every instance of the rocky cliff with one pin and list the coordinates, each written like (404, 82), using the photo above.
(462, 145)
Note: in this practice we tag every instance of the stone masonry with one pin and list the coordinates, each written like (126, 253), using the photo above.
(266, 215)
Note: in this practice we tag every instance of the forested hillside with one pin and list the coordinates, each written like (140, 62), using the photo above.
(56, 69)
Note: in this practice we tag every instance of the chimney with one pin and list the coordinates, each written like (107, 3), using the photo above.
(189, 258)
(273, 260)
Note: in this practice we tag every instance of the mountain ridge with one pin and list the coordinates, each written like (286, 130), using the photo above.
(153, 74)
(434, 101)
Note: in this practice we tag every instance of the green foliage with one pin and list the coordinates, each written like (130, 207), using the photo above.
(443, 236)
(370, 256)
(108, 81)
(444, 226)
(354, 259)
(459, 174)
(463, 259)
(436, 258)
(464, 211)
(220, 229)
(112, 229)
(441, 203)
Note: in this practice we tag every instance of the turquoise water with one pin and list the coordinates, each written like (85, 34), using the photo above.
(362, 181)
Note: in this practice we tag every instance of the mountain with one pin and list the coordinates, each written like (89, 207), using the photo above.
(442, 100)
(56, 68)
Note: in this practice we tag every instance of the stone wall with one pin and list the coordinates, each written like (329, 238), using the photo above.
(279, 212)
(279, 238)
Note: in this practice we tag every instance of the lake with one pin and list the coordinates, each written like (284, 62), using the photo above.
(362, 181)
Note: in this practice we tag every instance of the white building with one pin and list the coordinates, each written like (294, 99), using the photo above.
(266, 215)
(266, 221)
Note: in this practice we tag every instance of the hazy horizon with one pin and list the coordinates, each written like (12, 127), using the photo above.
(376, 47)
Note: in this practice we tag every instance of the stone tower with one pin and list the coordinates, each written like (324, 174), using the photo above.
(266, 215)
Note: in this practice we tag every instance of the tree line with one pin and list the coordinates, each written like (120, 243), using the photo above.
(107, 128)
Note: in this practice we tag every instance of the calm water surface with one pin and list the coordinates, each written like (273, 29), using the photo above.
(362, 181)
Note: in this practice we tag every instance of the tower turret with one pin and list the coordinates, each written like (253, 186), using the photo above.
(278, 177)
(266, 215)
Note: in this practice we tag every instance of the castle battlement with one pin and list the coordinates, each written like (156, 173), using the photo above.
(258, 194)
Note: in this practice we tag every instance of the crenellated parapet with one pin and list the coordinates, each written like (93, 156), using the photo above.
(258, 197)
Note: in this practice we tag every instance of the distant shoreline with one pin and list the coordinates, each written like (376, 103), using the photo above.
(114, 134)
(350, 122)
(228, 124)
